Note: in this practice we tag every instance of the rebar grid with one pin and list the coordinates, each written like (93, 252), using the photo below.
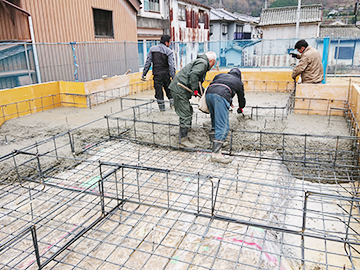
(259, 195)
(167, 209)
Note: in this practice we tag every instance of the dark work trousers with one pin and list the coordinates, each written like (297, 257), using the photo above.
(161, 81)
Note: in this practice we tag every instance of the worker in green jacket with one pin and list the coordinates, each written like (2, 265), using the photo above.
(186, 83)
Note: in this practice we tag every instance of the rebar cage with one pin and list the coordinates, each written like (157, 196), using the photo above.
(118, 192)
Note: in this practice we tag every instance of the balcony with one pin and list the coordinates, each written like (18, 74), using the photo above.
(242, 35)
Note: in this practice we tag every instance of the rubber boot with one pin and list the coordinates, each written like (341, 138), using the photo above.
(216, 155)
(212, 138)
(184, 139)
(161, 105)
(171, 103)
(212, 135)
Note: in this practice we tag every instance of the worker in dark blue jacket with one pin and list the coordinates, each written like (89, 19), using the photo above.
(162, 59)
(219, 97)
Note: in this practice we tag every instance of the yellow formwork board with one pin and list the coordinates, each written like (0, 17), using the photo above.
(28, 99)
(354, 101)
(321, 99)
(72, 94)
(260, 80)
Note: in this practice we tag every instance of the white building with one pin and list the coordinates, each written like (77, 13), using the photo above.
(281, 22)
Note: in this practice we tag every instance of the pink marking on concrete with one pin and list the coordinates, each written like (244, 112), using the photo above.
(270, 258)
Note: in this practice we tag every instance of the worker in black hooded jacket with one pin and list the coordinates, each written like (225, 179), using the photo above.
(219, 95)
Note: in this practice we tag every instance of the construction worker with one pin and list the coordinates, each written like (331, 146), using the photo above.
(186, 83)
(310, 66)
(162, 59)
(219, 95)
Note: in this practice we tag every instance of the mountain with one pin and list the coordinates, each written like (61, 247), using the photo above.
(253, 7)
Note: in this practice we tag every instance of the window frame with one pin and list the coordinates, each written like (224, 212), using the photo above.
(110, 21)
(181, 17)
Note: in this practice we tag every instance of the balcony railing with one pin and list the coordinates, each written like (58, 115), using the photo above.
(242, 35)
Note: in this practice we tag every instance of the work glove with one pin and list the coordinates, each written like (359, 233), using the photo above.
(196, 93)
(293, 55)
(239, 110)
(143, 78)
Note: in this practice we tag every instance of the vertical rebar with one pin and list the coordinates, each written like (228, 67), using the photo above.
(303, 229)
(336, 150)
(36, 247)
(17, 110)
(55, 148)
(108, 126)
(169, 134)
(214, 199)
(3, 113)
(231, 140)
(305, 149)
(52, 97)
(71, 143)
(116, 185)
(101, 190)
(40, 171)
(167, 188)
(153, 132)
(137, 175)
(134, 120)
(198, 192)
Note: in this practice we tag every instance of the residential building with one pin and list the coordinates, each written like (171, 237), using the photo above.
(153, 20)
(344, 48)
(68, 20)
(225, 25)
(230, 34)
(57, 40)
(281, 22)
(189, 28)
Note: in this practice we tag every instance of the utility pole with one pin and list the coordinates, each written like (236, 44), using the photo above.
(298, 18)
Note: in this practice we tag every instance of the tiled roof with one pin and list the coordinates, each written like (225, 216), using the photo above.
(288, 15)
(349, 31)
(192, 2)
(220, 14)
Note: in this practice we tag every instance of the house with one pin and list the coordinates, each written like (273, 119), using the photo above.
(230, 33)
(69, 21)
(344, 46)
(281, 22)
(74, 26)
(225, 25)
(153, 20)
(189, 29)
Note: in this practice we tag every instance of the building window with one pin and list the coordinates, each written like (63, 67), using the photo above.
(239, 28)
(344, 53)
(224, 28)
(152, 5)
(239, 32)
(211, 29)
(182, 13)
(103, 23)
(201, 16)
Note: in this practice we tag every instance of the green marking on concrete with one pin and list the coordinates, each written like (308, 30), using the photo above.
(91, 182)
(174, 259)
(205, 248)
(187, 179)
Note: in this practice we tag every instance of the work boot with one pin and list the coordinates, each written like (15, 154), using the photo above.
(212, 138)
(171, 103)
(216, 155)
(184, 139)
(161, 105)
